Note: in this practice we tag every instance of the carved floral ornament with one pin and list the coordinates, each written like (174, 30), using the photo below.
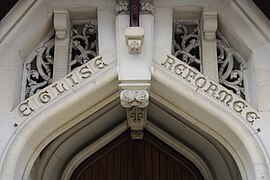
(138, 98)
(124, 6)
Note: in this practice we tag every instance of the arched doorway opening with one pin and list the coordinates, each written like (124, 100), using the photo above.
(127, 159)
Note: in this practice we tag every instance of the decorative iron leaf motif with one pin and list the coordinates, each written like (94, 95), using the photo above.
(187, 43)
(39, 69)
(231, 68)
(83, 43)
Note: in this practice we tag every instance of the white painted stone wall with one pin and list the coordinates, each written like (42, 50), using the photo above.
(241, 23)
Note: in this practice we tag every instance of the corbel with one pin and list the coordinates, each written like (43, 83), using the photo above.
(209, 24)
(208, 43)
(135, 98)
(61, 23)
(134, 39)
(62, 43)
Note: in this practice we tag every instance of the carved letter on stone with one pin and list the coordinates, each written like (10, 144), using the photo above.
(251, 117)
(100, 64)
(44, 97)
(25, 109)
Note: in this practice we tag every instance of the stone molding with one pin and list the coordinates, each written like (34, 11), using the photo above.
(172, 142)
(202, 84)
(91, 149)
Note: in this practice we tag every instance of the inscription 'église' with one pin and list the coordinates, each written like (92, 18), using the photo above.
(74, 78)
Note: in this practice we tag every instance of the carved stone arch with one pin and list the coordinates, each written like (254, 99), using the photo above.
(52, 119)
(54, 116)
(28, 136)
(208, 115)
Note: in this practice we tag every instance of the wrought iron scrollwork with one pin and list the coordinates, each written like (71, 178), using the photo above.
(231, 68)
(83, 44)
(187, 43)
(40, 68)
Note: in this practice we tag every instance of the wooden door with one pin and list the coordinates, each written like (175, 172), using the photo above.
(126, 159)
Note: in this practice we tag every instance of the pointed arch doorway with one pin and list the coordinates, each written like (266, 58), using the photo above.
(127, 159)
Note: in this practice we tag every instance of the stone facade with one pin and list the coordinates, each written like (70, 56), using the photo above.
(74, 76)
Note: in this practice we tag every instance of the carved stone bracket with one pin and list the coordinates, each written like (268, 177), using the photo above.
(209, 25)
(135, 102)
(62, 43)
(134, 39)
(61, 23)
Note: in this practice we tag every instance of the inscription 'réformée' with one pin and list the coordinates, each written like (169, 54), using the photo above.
(213, 89)
(49, 93)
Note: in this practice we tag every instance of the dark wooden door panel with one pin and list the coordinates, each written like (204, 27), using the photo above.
(126, 159)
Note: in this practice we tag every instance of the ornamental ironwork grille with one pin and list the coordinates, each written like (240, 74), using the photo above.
(186, 43)
(38, 68)
(84, 43)
(231, 67)
(187, 48)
